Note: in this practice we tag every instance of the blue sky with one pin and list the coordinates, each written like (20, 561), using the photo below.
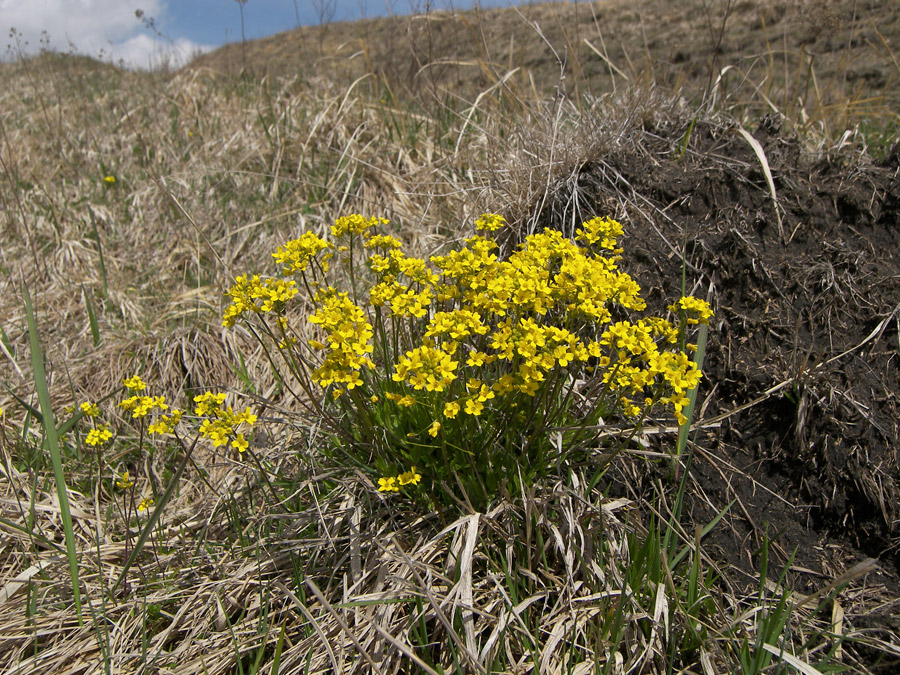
(109, 28)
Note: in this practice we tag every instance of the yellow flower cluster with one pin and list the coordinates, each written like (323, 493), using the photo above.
(255, 295)
(90, 409)
(697, 311)
(394, 483)
(165, 424)
(348, 340)
(135, 383)
(295, 255)
(426, 368)
(141, 406)
(410, 299)
(98, 436)
(125, 481)
(639, 363)
(490, 222)
(602, 231)
(220, 423)
(470, 333)
(354, 224)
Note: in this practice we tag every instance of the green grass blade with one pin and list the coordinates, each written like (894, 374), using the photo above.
(276, 659)
(52, 439)
(31, 534)
(154, 517)
(92, 317)
(699, 355)
(34, 412)
(100, 253)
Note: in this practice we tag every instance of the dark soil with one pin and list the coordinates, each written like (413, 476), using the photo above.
(803, 362)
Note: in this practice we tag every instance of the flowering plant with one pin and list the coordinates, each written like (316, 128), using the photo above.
(471, 373)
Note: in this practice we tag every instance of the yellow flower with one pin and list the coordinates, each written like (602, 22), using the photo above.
(134, 383)
(295, 255)
(239, 443)
(434, 429)
(97, 437)
(451, 409)
(355, 224)
(90, 409)
(490, 222)
(109, 180)
(141, 406)
(145, 504)
(697, 311)
(165, 424)
(409, 477)
(426, 368)
(125, 481)
(388, 484)
(473, 407)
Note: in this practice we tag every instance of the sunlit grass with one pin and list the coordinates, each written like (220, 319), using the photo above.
(130, 204)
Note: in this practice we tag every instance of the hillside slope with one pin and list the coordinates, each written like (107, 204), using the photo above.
(826, 63)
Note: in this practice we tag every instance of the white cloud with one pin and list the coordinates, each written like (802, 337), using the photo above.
(98, 28)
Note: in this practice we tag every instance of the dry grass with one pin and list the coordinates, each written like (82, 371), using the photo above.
(288, 559)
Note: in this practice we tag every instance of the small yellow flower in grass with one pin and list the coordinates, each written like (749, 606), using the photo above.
(697, 311)
(382, 241)
(405, 401)
(388, 484)
(97, 437)
(124, 481)
(239, 443)
(208, 402)
(247, 417)
(434, 429)
(490, 222)
(373, 398)
(295, 255)
(145, 504)
(451, 409)
(337, 393)
(355, 224)
(473, 407)
(134, 383)
(109, 180)
(141, 406)
(90, 409)
(165, 424)
(409, 477)
(602, 231)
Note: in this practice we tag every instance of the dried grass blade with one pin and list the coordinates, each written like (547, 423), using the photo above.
(606, 60)
(764, 162)
(791, 660)
(343, 624)
(315, 624)
(21, 579)
(154, 517)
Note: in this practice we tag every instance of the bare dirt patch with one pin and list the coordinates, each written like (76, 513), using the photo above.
(803, 363)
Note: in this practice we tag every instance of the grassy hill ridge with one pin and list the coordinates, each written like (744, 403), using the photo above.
(824, 64)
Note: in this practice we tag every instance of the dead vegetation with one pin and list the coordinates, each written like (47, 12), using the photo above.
(291, 564)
